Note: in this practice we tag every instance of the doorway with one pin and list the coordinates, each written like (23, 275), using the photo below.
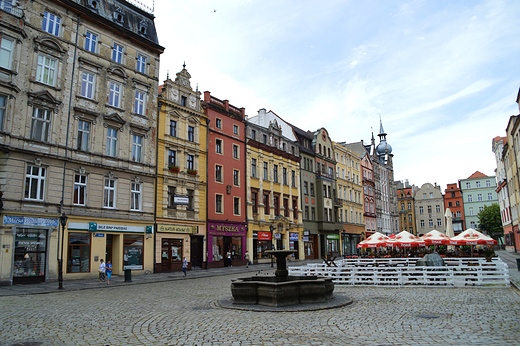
(171, 255)
(197, 249)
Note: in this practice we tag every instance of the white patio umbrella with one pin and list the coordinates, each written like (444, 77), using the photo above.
(449, 227)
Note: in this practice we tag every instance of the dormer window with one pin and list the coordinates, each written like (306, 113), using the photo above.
(118, 17)
(143, 27)
(94, 4)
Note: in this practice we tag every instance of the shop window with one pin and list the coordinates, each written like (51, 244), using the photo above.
(29, 254)
(79, 253)
(133, 251)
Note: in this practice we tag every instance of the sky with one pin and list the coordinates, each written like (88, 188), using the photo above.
(443, 76)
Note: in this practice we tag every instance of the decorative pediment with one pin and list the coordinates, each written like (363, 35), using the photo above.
(49, 45)
(193, 120)
(139, 129)
(90, 64)
(43, 99)
(114, 120)
(87, 114)
(175, 114)
(116, 71)
(138, 83)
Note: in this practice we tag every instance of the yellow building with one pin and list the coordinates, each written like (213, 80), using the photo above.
(181, 176)
(350, 195)
(273, 181)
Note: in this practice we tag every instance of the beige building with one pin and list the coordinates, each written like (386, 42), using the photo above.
(350, 195)
(429, 209)
(78, 91)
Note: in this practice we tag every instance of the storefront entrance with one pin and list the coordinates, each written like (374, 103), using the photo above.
(311, 247)
(197, 247)
(171, 255)
(30, 256)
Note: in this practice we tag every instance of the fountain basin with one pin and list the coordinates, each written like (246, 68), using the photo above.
(269, 291)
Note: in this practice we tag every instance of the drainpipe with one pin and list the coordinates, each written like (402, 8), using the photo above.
(207, 187)
(159, 105)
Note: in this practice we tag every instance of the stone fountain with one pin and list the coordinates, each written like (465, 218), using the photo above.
(282, 289)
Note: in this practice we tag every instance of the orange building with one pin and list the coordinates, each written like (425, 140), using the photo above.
(453, 200)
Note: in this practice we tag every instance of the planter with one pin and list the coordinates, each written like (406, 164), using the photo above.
(174, 169)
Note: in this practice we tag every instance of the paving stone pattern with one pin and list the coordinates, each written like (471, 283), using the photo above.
(186, 312)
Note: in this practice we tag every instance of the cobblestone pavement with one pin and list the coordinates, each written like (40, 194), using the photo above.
(185, 312)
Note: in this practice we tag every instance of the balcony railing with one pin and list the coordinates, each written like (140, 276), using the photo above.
(320, 174)
(7, 6)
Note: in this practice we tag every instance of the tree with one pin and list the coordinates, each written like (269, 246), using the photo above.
(489, 220)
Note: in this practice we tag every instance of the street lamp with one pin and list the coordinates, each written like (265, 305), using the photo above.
(271, 227)
(63, 222)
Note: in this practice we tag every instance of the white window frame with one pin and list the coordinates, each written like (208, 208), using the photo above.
(41, 125)
(83, 135)
(218, 173)
(51, 23)
(80, 185)
(91, 42)
(35, 180)
(235, 205)
(6, 52)
(218, 146)
(235, 130)
(470, 211)
(236, 151)
(190, 161)
(140, 102)
(141, 63)
(137, 148)
(479, 197)
(46, 70)
(87, 84)
(136, 196)
(117, 53)
(490, 196)
(219, 205)
(114, 96)
(3, 107)
(109, 193)
(470, 198)
(111, 149)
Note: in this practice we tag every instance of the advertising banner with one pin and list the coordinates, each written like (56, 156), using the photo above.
(264, 235)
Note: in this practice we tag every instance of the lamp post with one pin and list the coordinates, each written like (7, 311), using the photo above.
(271, 227)
(63, 222)
(343, 235)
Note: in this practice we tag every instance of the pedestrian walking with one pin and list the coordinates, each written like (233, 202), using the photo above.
(108, 269)
(228, 255)
(246, 257)
(184, 265)
(101, 271)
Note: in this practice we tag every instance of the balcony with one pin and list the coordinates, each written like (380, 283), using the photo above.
(320, 174)
(338, 202)
(9, 8)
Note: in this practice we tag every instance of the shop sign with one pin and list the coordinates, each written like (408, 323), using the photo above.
(30, 221)
(106, 228)
(332, 236)
(177, 229)
(92, 226)
(277, 236)
(100, 235)
(293, 236)
(181, 200)
(264, 235)
(227, 230)
(305, 238)
(306, 233)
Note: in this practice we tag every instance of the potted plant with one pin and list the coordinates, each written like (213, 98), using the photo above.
(174, 169)
(192, 171)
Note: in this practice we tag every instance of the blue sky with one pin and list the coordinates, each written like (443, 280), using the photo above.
(442, 75)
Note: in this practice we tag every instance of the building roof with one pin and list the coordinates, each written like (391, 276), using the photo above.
(477, 174)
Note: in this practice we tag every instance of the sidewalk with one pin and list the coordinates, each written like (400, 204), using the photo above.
(119, 280)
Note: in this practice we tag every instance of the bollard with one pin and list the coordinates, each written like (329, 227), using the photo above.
(128, 275)
(518, 264)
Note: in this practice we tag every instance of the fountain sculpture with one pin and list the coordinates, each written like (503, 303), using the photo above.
(282, 289)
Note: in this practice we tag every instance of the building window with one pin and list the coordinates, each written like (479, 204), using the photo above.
(253, 135)
(313, 213)
(275, 173)
(431, 195)
(135, 197)
(480, 209)
(409, 205)
(254, 201)
(218, 123)
(137, 148)
(450, 204)
(276, 205)
(117, 53)
(306, 213)
(424, 195)
(191, 194)
(458, 213)
(235, 130)
(2, 110)
(439, 222)
(90, 42)
(173, 128)
(114, 96)
(266, 204)
(236, 177)
(284, 176)
(139, 102)
(190, 160)
(171, 197)
(478, 184)
(253, 168)
(468, 185)
(409, 217)
(141, 63)
(324, 191)
(264, 139)
(111, 142)
(191, 134)
(305, 188)
(87, 85)
(488, 183)
(218, 146)
(472, 224)
(6, 52)
(172, 158)
(236, 205)
(438, 208)
(40, 124)
(266, 171)
(35, 183)
(421, 210)
(479, 197)
(183, 101)
(457, 203)
(422, 223)
(218, 204)
(470, 210)
(46, 70)
(51, 23)
(218, 173)
(312, 189)
(470, 198)
(293, 178)
(286, 207)
(235, 151)
(109, 196)
(83, 135)
(490, 196)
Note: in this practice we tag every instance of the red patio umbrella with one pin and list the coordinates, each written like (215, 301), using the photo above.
(435, 237)
(375, 240)
(472, 237)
